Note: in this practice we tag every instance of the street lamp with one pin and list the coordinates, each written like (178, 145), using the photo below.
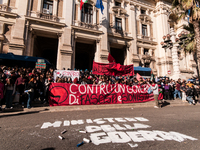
(181, 40)
(167, 43)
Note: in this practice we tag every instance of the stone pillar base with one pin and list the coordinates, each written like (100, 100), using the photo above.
(16, 49)
(65, 59)
(104, 56)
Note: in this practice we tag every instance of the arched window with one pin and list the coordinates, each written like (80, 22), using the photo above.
(87, 13)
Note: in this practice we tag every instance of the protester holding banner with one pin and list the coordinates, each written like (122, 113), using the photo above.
(89, 79)
(154, 87)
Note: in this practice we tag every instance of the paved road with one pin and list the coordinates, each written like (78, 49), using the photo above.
(120, 128)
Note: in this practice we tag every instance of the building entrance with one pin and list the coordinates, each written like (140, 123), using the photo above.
(84, 56)
(118, 55)
(46, 48)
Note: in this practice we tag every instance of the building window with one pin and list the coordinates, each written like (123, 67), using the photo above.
(48, 7)
(117, 4)
(143, 11)
(118, 23)
(146, 51)
(87, 13)
(144, 30)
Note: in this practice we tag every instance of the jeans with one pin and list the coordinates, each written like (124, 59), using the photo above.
(30, 98)
(9, 98)
(177, 92)
(189, 99)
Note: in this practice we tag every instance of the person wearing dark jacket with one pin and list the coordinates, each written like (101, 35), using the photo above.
(167, 91)
(190, 93)
(30, 91)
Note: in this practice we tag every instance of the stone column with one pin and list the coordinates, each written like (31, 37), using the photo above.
(79, 13)
(76, 12)
(94, 19)
(150, 52)
(55, 7)
(142, 50)
(176, 66)
(160, 21)
(97, 52)
(104, 37)
(29, 8)
(66, 58)
(123, 24)
(29, 44)
(39, 6)
(5, 2)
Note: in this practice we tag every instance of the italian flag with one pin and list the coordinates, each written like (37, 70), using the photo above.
(82, 2)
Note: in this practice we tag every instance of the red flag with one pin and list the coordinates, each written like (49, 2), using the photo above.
(82, 2)
(138, 76)
(110, 58)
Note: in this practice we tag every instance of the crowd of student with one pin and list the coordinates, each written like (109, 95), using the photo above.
(24, 85)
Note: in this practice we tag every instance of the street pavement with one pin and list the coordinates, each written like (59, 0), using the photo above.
(136, 126)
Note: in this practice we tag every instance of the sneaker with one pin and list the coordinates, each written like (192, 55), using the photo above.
(156, 107)
(194, 102)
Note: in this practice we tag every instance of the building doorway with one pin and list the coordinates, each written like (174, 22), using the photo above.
(118, 55)
(84, 56)
(46, 48)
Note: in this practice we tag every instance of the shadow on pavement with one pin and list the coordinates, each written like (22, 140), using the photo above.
(165, 103)
(50, 148)
(22, 113)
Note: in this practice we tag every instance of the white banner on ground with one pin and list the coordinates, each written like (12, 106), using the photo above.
(66, 73)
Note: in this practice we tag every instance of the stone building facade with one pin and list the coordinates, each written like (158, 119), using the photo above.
(131, 30)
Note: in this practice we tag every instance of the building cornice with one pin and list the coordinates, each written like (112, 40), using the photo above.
(6, 13)
(143, 41)
(46, 21)
(128, 38)
(87, 30)
(141, 4)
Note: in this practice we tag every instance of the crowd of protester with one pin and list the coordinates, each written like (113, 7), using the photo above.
(24, 85)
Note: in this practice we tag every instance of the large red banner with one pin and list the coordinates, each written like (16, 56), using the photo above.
(112, 69)
(62, 94)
